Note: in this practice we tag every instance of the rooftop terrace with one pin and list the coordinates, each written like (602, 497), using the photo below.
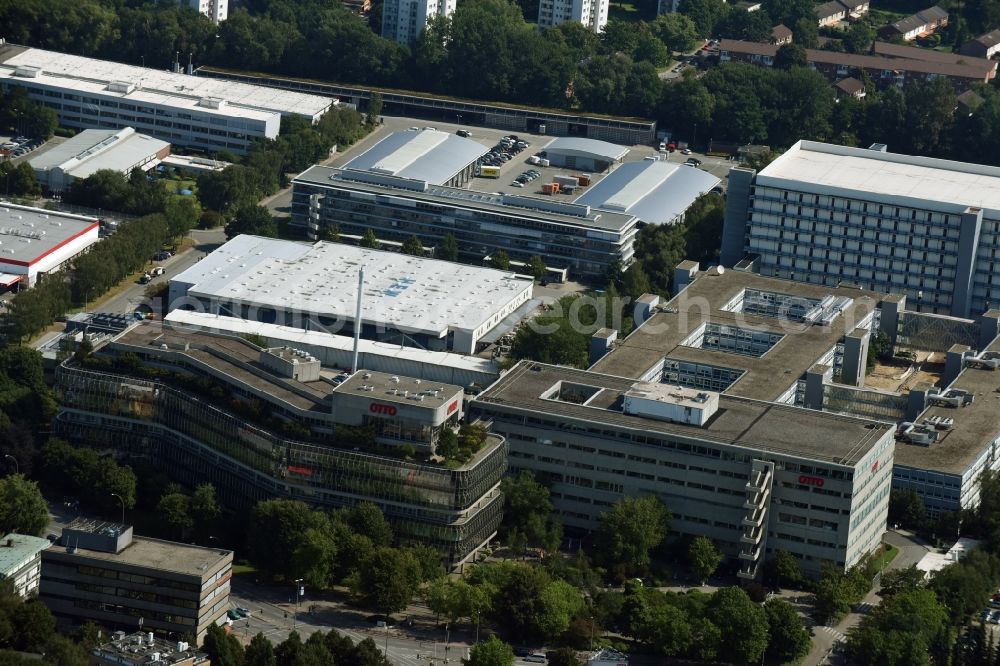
(781, 343)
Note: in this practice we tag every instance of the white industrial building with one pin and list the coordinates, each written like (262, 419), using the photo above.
(655, 192)
(434, 304)
(591, 14)
(216, 10)
(94, 150)
(200, 113)
(403, 20)
(437, 158)
(923, 227)
(584, 154)
(35, 241)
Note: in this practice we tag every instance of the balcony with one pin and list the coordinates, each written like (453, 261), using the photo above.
(750, 555)
(751, 537)
(755, 519)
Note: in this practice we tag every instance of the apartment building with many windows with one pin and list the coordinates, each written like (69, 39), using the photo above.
(824, 214)
(592, 14)
(404, 20)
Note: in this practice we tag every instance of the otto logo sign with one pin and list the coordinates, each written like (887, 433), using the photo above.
(875, 467)
(811, 481)
(453, 406)
(379, 408)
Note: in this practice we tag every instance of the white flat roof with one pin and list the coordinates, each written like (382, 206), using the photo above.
(429, 155)
(93, 150)
(910, 180)
(655, 192)
(403, 292)
(90, 75)
(297, 336)
(28, 234)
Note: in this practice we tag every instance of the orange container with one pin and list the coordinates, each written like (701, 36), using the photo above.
(583, 180)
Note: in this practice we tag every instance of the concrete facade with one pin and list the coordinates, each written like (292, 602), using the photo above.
(592, 14)
(404, 20)
(20, 562)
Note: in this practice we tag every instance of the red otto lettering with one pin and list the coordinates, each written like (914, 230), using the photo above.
(453, 406)
(379, 408)
(875, 467)
(811, 481)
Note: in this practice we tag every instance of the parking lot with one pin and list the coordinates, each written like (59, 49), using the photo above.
(20, 148)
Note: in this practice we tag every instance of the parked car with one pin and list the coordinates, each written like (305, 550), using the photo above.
(156, 272)
(464, 133)
(686, 151)
(536, 658)
(232, 614)
(517, 183)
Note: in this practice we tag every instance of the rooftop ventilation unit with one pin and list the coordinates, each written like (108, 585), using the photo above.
(919, 434)
(212, 102)
(28, 71)
(950, 398)
(123, 87)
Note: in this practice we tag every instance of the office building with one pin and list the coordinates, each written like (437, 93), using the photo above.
(36, 241)
(102, 573)
(20, 562)
(273, 423)
(707, 404)
(90, 151)
(577, 238)
(824, 214)
(216, 10)
(439, 158)
(435, 304)
(191, 111)
(753, 476)
(592, 14)
(942, 452)
(144, 648)
(404, 20)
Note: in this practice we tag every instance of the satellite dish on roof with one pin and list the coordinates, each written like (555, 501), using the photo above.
(720, 270)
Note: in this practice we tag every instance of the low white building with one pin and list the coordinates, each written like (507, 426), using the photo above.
(934, 561)
(90, 151)
(35, 241)
(591, 14)
(435, 304)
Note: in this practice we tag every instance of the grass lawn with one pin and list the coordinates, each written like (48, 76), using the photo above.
(174, 186)
(888, 554)
(243, 569)
(624, 11)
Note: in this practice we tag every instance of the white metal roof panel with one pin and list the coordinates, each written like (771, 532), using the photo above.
(28, 234)
(655, 192)
(428, 155)
(593, 148)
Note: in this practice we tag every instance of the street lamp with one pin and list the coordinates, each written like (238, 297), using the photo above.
(16, 467)
(123, 506)
(298, 590)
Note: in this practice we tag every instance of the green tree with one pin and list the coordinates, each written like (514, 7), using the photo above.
(858, 38)
(788, 638)
(331, 233)
(565, 657)
(896, 581)
(448, 249)
(703, 558)
(413, 247)
(33, 625)
(536, 267)
(528, 510)
(491, 652)
(500, 260)
(315, 559)
(388, 580)
(276, 529)
(204, 507)
(705, 14)
(254, 220)
(789, 56)
(835, 592)
(744, 621)
(222, 648)
(19, 179)
(805, 32)
(374, 108)
(659, 248)
(230, 189)
(629, 530)
(367, 519)
(174, 510)
(369, 240)
(782, 570)
(183, 214)
(22, 508)
(260, 652)
(676, 31)
(907, 509)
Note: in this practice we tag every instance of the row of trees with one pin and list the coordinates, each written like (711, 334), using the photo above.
(29, 627)
(320, 649)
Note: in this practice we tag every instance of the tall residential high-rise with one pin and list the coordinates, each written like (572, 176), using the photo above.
(402, 20)
(590, 13)
(217, 10)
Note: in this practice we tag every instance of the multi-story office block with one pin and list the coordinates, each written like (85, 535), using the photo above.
(101, 573)
(20, 561)
(403, 20)
(577, 238)
(261, 424)
(754, 476)
(825, 214)
(216, 10)
(591, 14)
(190, 111)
